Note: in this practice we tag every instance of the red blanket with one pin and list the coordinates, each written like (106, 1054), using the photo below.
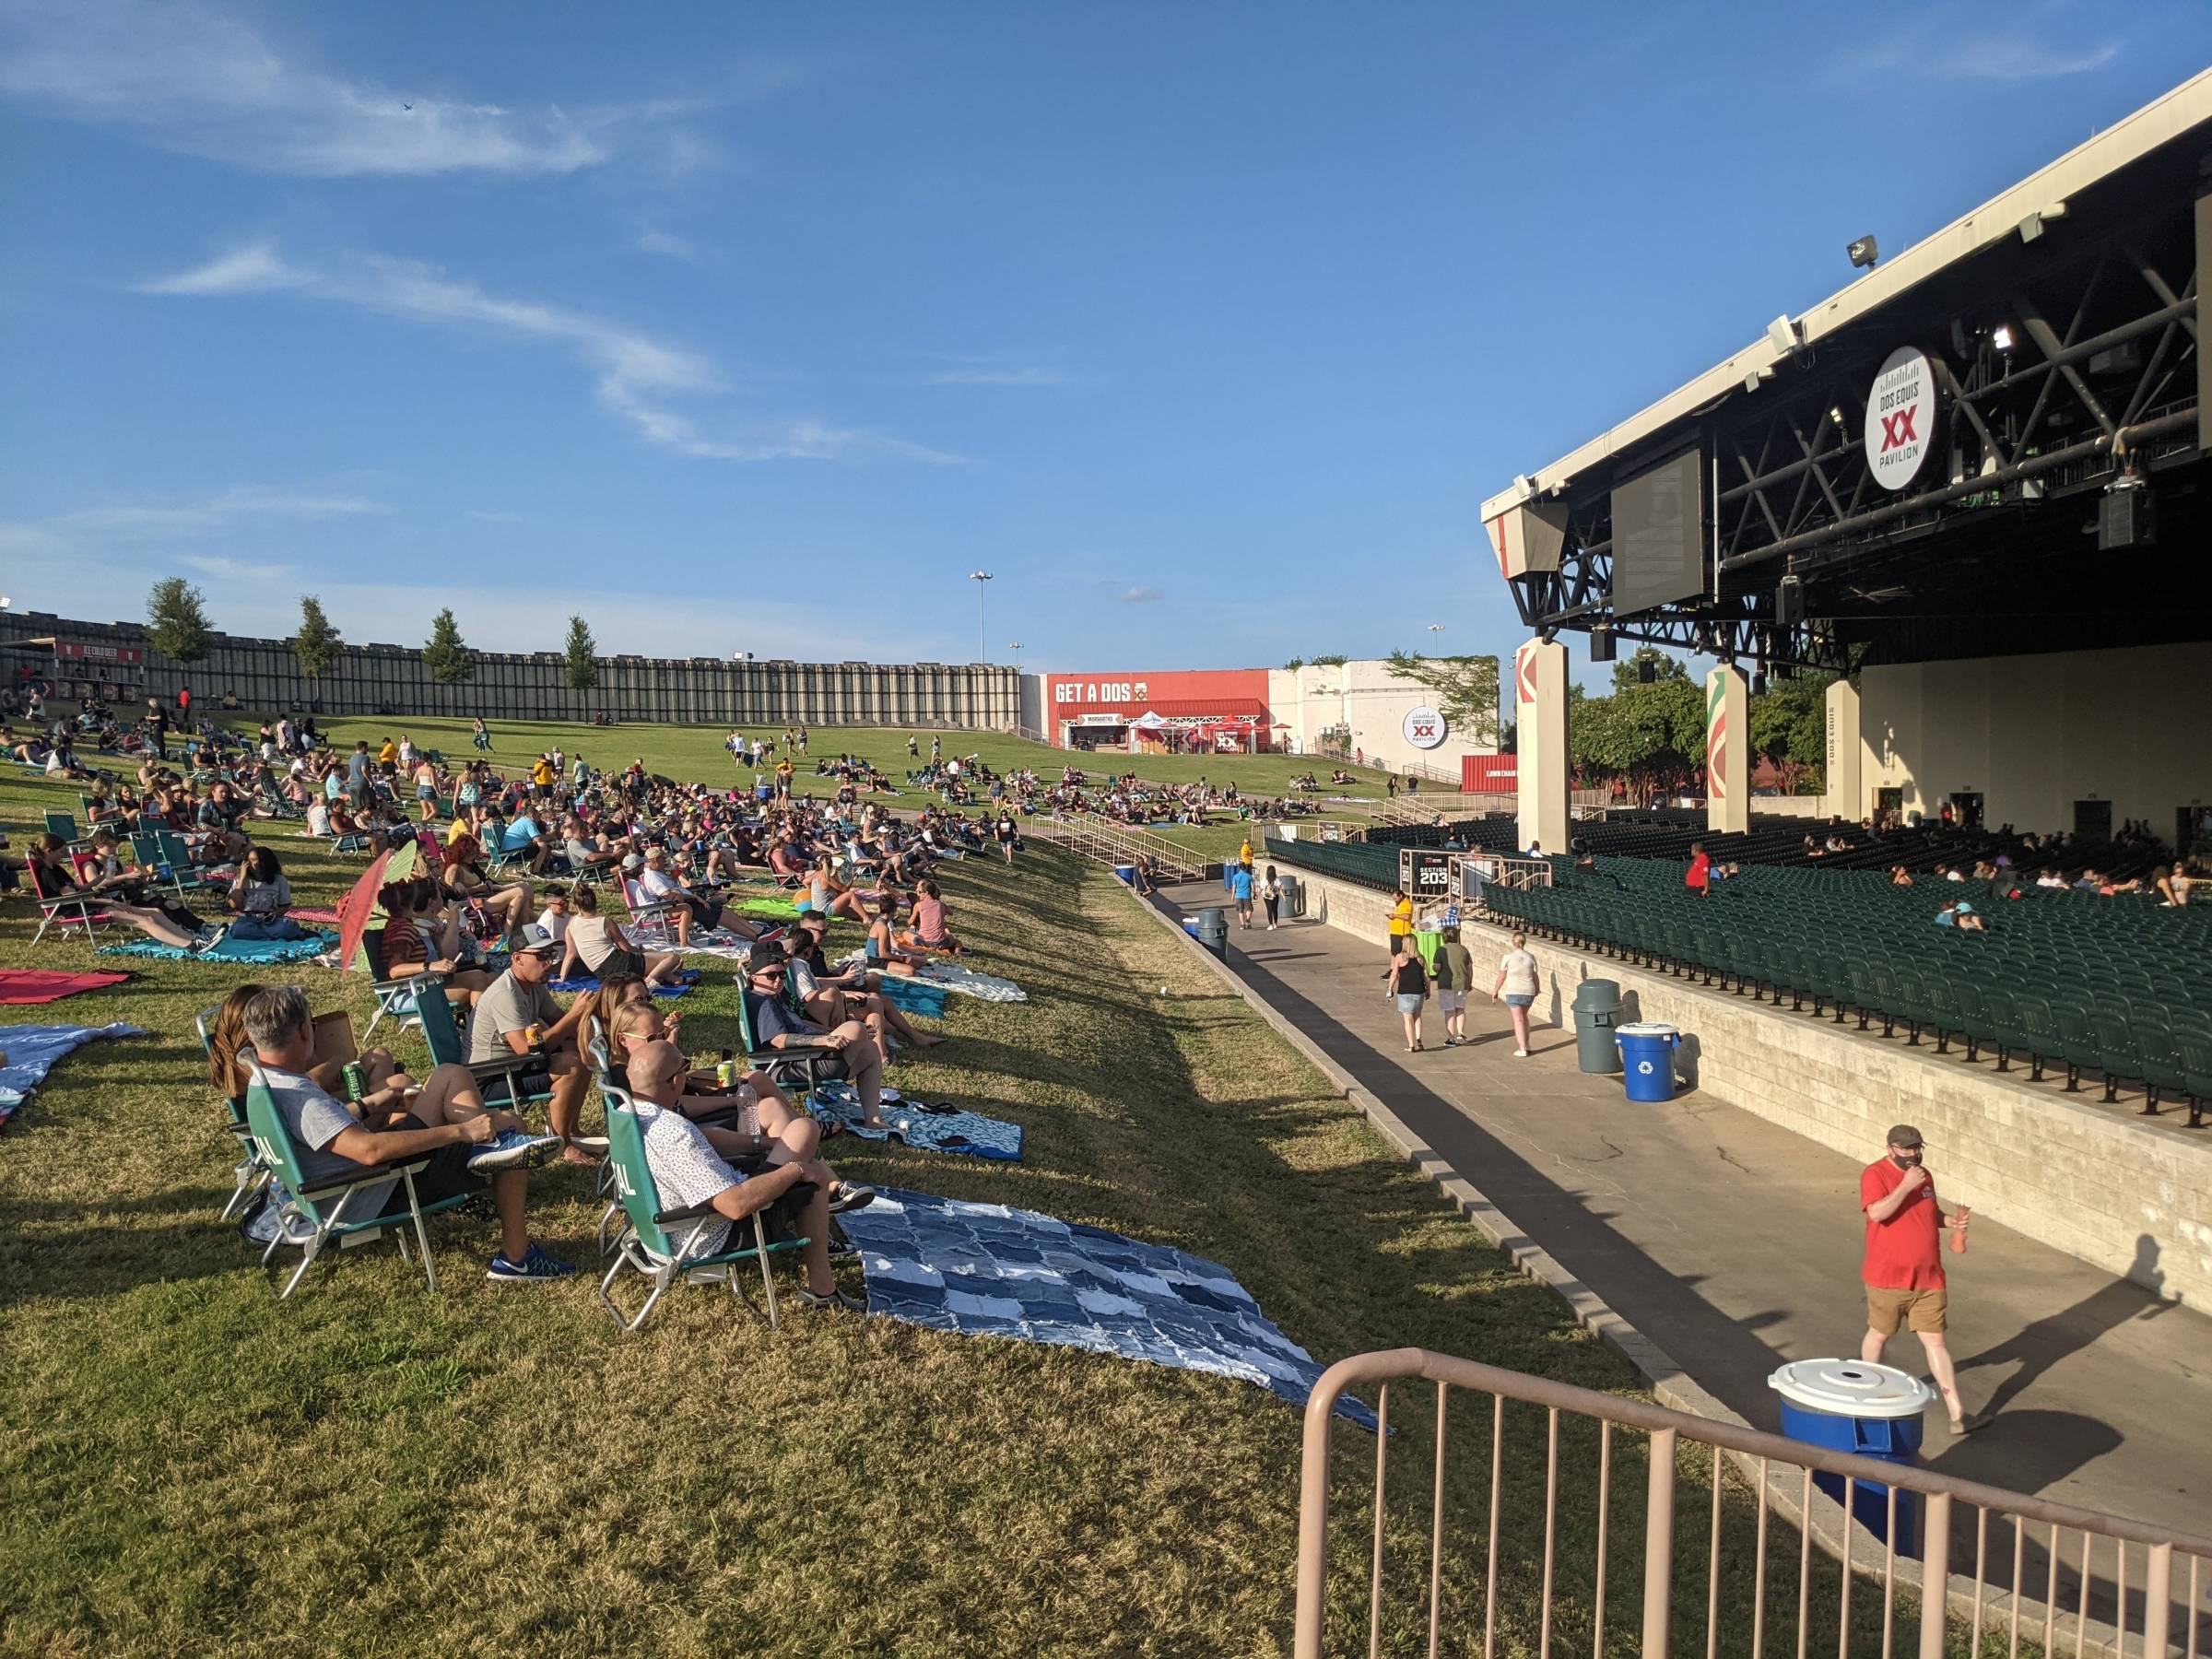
(39, 985)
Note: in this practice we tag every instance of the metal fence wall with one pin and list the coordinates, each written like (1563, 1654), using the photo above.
(262, 674)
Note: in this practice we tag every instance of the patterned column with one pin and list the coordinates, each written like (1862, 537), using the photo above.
(1540, 723)
(1841, 786)
(1727, 752)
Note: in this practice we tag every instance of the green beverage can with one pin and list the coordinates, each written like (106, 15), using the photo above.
(356, 1076)
(725, 1073)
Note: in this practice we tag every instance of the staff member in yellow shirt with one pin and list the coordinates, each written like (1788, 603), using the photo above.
(1401, 919)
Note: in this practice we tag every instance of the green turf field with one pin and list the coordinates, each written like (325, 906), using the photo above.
(191, 1466)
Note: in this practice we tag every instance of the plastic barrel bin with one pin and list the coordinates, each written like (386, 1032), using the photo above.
(1125, 874)
(1647, 1059)
(1212, 930)
(1596, 1012)
(1872, 1410)
(1294, 898)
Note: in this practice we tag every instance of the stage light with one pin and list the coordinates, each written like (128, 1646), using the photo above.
(1864, 253)
(2001, 337)
(1758, 684)
(1835, 413)
(1783, 335)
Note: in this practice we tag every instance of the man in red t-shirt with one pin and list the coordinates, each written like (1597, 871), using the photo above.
(1903, 1269)
(1700, 878)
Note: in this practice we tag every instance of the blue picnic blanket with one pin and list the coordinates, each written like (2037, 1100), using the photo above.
(915, 996)
(924, 1128)
(590, 982)
(988, 1270)
(231, 951)
(32, 1049)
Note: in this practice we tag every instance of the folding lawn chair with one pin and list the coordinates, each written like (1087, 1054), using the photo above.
(435, 1015)
(315, 1215)
(659, 1243)
(648, 917)
(398, 997)
(251, 1173)
(66, 911)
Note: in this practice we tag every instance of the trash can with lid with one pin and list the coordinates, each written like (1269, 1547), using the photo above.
(1647, 1059)
(1870, 1410)
(1596, 1010)
(1212, 930)
(1125, 874)
(1294, 897)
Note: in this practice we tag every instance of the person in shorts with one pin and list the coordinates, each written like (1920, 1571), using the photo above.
(1408, 978)
(1239, 892)
(447, 1123)
(1455, 977)
(1903, 1265)
(1517, 983)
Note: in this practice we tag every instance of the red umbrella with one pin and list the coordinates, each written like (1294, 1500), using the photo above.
(360, 907)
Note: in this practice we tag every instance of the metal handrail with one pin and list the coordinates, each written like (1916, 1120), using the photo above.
(1667, 1427)
(1113, 843)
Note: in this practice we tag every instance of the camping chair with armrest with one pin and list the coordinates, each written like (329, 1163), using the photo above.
(662, 1244)
(251, 1173)
(315, 1215)
(62, 826)
(808, 1061)
(647, 918)
(64, 910)
(398, 997)
(176, 854)
(502, 1072)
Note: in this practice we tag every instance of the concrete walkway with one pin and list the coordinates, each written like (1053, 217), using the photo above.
(1734, 1244)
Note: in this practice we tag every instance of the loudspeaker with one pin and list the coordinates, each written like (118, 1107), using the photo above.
(1601, 644)
(2127, 518)
(1647, 672)
(1789, 602)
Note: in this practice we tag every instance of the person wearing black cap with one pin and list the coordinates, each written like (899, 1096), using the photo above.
(1903, 1269)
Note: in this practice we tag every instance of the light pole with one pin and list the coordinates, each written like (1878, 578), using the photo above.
(1015, 649)
(981, 648)
(1435, 628)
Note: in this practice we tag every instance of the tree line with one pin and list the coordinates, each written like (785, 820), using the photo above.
(177, 626)
(1652, 733)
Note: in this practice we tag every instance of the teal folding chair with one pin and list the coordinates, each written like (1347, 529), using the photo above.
(505, 1071)
(316, 1215)
(661, 1244)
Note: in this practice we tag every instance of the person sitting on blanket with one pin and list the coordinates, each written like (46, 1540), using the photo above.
(166, 920)
(831, 998)
(446, 1122)
(930, 932)
(688, 1166)
(829, 894)
(785, 858)
(260, 898)
(857, 1055)
(518, 1004)
(508, 904)
(881, 948)
(597, 945)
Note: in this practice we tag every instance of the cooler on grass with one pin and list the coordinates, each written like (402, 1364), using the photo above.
(1871, 1410)
(1647, 1059)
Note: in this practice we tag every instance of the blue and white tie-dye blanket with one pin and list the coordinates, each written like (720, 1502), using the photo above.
(33, 1050)
(924, 1128)
(230, 951)
(988, 1270)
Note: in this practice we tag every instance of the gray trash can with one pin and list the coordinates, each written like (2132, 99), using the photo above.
(1294, 897)
(1596, 1011)
(1212, 930)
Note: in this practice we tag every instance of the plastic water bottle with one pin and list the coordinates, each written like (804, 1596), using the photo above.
(1166, 994)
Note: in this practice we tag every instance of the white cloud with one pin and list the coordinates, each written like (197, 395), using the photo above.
(666, 244)
(638, 375)
(1947, 43)
(193, 517)
(485, 517)
(235, 570)
(194, 79)
(992, 369)
(1139, 595)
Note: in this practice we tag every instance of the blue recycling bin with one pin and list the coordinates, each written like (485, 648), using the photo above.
(1647, 1059)
(1125, 874)
(1870, 1410)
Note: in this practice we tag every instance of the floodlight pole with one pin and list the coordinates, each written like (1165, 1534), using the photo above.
(982, 646)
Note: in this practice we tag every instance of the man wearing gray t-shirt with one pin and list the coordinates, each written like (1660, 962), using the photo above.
(499, 1027)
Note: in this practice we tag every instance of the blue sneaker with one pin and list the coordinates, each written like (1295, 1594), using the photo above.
(535, 1267)
(509, 1147)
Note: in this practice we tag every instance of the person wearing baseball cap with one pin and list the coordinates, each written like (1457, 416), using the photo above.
(519, 1005)
(1904, 1266)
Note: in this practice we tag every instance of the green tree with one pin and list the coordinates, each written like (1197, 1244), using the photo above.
(317, 644)
(1294, 665)
(582, 652)
(1336, 661)
(1466, 689)
(1789, 728)
(449, 661)
(176, 620)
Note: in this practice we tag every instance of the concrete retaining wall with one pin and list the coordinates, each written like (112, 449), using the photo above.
(370, 679)
(2129, 1194)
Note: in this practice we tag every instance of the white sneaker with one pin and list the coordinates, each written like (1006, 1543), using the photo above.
(1519, 1054)
(510, 1147)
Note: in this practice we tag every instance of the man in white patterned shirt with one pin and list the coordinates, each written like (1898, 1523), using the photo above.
(689, 1169)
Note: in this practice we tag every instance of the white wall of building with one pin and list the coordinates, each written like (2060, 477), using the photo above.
(2033, 735)
(1374, 702)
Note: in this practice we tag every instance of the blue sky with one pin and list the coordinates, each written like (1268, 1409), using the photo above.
(1205, 327)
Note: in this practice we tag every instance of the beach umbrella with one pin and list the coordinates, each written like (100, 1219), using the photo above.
(360, 907)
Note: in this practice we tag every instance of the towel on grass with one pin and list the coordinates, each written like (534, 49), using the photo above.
(988, 1270)
(231, 951)
(915, 995)
(765, 908)
(44, 985)
(969, 982)
(590, 982)
(923, 1127)
(33, 1050)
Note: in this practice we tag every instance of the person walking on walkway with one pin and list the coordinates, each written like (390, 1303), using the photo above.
(1903, 1267)
(1410, 985)
(1401, 919)
(1239, 890)
(1455, 977)
(1517, 983)
(1271, 894)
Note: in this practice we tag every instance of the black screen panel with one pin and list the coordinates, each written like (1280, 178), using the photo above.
(1659, 535)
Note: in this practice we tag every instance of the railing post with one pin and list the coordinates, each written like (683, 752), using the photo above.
(2157, 1588)
(1935, 1572)
(1313, 1520)
(1659, 1544)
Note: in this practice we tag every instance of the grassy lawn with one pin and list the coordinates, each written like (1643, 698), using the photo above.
(193, 1467)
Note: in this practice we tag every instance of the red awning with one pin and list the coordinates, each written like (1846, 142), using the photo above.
(1216, 708)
